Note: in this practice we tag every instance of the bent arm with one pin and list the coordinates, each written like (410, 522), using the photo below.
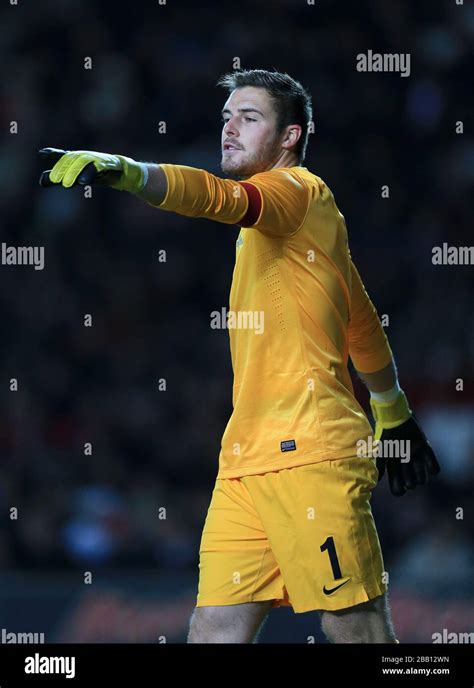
(381, 380)
(369, 348)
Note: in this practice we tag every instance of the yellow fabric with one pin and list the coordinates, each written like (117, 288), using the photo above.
(197, 193)
(292, 395)
(258, 526)
(390, 414)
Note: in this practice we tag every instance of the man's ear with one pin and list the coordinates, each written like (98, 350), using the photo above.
(293, 134)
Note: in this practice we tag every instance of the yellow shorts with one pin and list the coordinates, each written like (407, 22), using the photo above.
(302, 537)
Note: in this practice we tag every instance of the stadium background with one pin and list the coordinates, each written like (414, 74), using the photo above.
(153, 63)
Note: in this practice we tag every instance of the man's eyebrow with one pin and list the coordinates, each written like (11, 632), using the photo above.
(249, 109)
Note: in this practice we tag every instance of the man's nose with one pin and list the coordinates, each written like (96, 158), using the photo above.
(231, 128)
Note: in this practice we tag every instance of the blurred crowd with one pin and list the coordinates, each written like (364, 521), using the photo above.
(109, 445)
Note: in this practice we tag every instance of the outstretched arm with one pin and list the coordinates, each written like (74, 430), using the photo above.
(156, 186)
(275, 201)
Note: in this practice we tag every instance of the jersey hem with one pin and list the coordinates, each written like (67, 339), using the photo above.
(267, 468)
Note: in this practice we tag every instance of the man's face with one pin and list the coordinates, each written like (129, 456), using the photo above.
(249, 139)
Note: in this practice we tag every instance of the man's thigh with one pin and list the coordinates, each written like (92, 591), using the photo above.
(236, 563)
(321, 531)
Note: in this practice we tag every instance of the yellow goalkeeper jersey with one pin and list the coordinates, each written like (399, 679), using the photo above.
(298, 309)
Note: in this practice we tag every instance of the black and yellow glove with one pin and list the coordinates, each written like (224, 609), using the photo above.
(396, 424)
(83, 167)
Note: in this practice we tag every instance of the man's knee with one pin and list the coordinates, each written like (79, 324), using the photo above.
(207, 625)
(368, 622)
(238, 623)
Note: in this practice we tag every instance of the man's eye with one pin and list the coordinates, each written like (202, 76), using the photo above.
(250, 119)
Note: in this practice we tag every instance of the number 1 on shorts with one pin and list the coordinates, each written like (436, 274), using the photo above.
(331, 549)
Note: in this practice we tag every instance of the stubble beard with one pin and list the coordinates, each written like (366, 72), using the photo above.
(252, 164)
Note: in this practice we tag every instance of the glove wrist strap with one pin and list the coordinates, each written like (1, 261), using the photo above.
(134, 175)
(393, 413)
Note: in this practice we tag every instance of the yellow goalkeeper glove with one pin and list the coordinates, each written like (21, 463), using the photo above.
(90, 167)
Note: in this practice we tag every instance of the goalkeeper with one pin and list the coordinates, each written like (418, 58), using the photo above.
(289, 521)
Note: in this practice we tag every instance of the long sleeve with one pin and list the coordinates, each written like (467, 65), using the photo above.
(369, 348)
(197, 193)
(283, 198)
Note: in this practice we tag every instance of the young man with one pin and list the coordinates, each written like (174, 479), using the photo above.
(289, 521)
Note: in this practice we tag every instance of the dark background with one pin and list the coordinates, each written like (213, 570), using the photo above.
(155, 63)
